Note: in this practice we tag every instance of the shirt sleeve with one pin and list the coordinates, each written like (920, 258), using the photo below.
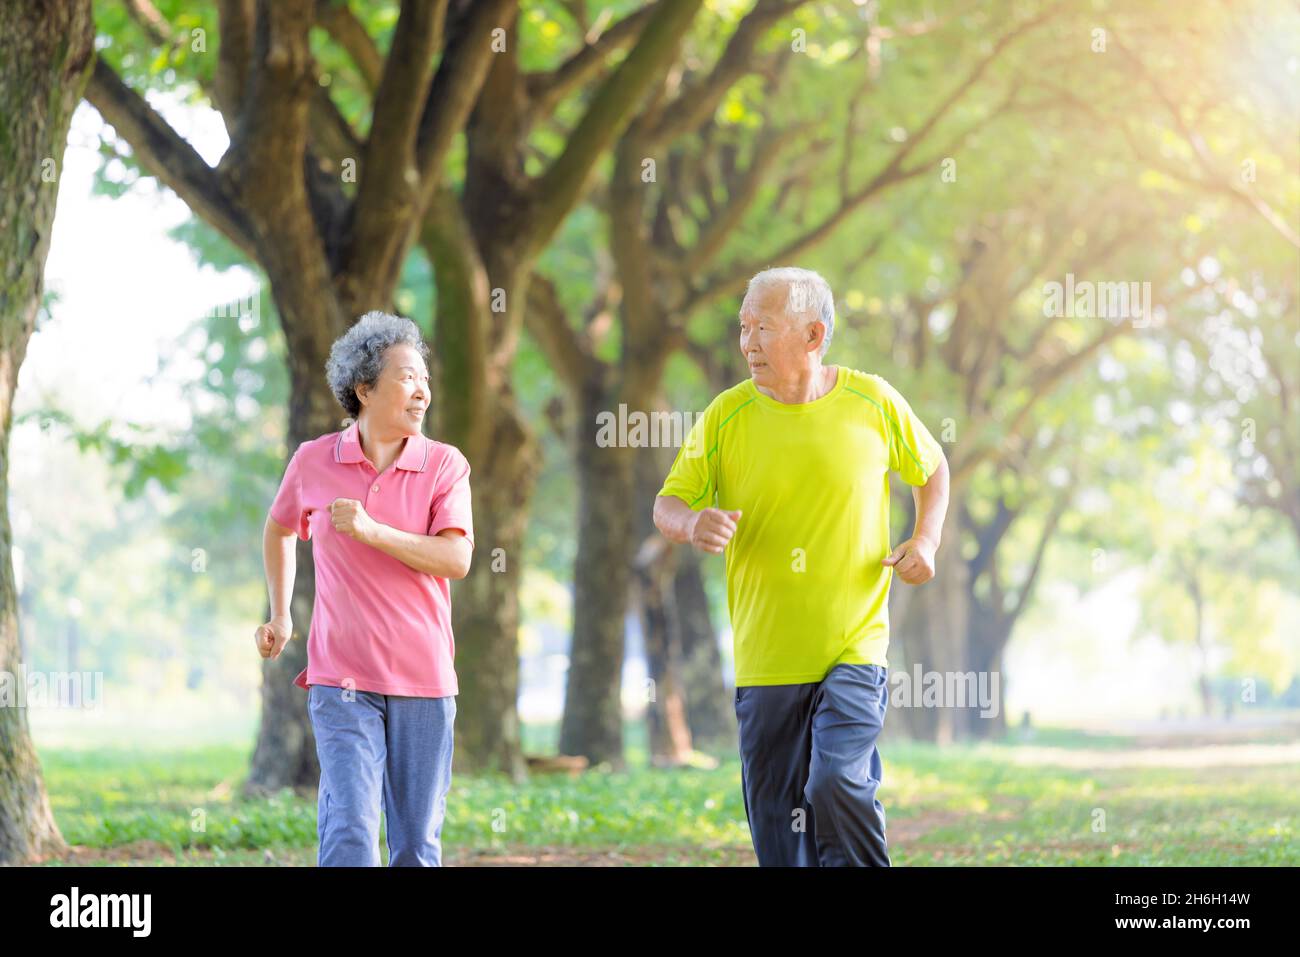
(451, 506)
(693, 477)
(288, 509)
(913, 452)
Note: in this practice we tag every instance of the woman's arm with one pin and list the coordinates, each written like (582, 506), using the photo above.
(445, 555)
(280, 560)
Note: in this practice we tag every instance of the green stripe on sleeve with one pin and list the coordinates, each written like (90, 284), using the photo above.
(893, 424)
(715, 445)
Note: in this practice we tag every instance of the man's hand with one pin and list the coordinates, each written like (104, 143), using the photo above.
(913, 560)
(349, 516)
(273, 636)
(712, 528)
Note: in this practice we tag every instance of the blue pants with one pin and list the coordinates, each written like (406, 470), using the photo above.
(368, 742)
(810, 769)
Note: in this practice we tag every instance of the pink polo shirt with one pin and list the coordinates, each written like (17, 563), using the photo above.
(377, 624)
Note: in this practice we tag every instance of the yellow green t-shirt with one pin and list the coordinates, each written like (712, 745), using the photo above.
(805, 587)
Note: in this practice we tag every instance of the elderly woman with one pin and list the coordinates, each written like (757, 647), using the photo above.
(388, 514)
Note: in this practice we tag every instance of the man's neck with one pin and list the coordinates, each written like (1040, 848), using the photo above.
(809, 386)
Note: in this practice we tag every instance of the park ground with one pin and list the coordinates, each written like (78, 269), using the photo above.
(1214, 795)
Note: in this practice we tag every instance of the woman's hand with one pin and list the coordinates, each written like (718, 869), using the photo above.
(349, 516)
(273, 636)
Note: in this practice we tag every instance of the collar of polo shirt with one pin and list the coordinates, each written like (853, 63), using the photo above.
(414, 457)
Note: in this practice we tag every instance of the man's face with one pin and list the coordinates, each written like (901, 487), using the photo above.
(400, 398)
(774, 345)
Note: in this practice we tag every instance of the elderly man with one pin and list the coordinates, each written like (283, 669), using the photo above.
(388, 514)
(787, 474)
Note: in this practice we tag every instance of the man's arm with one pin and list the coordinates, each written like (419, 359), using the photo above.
(931, 500)
(709, 529)
(913, 559)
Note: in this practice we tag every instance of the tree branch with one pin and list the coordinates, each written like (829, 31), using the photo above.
(559, 188)
(338, 20)
(1040, 384)
(166, 156)
(465, 60)
(1026, 589)
(697, 101)
(382, 227)
(545, 90)
(892, 173)
(560, 342)
(236, 19)
(1216, 182)
(153, 23)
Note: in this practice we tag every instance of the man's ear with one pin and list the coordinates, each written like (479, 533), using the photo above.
(815, 332)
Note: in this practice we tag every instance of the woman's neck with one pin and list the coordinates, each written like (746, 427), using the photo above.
(379, 448)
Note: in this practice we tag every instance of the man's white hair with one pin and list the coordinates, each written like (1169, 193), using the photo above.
(808, 296)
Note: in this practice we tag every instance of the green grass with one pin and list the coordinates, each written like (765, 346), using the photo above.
(957, 805)
(989, 811)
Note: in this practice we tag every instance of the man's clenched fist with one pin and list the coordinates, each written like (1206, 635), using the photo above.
(712, 528)
(913, 560)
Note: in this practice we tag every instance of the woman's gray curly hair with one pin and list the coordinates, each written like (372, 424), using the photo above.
(357, 356)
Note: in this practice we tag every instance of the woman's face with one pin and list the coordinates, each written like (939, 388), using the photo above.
(399, 400)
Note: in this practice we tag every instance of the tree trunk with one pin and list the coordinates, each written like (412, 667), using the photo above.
(485, 605)
(45, 52)
(477, 414)
(709, 712)
(593, 714)
(988, 638)
(1203, 679)
(284, 755)
(668, 733)
(654, 570)
(932, 633)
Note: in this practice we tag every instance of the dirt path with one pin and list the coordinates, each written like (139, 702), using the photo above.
(154, 854)
(1207, 755)
(902, 831)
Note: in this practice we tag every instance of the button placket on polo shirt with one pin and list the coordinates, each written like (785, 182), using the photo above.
(373, 490)
(374, 505)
